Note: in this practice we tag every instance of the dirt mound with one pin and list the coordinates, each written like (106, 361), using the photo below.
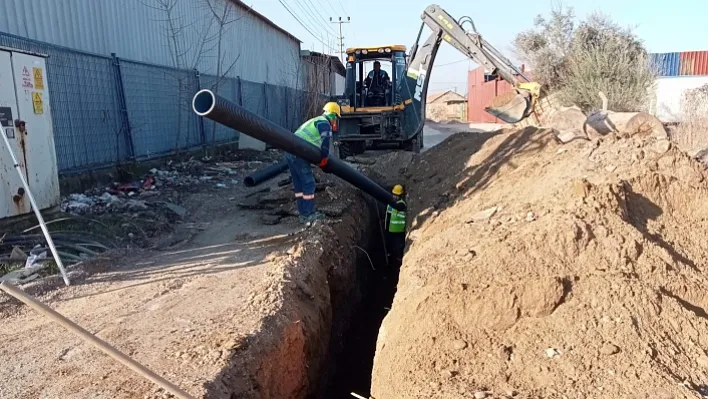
(541, 270)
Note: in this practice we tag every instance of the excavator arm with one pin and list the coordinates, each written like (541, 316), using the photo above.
(470, 43)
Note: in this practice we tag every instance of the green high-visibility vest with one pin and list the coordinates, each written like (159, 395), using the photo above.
(308, 131)
(397, 219)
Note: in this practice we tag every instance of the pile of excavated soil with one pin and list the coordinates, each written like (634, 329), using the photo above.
(541, 270)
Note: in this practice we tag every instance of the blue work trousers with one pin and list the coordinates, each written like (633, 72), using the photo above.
(303, 184)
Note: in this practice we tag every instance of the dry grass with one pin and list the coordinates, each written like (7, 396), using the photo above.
(692, 133)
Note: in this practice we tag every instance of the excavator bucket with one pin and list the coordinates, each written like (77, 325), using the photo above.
(510, 107)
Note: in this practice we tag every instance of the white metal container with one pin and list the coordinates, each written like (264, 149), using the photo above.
(24, 96)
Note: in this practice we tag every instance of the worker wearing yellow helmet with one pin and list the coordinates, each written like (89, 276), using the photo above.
(396, 227)
(318, 132)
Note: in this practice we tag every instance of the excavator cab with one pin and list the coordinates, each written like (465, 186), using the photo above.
(368, 87)
(372, 105)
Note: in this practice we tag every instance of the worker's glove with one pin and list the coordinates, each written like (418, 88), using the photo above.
(323, 162)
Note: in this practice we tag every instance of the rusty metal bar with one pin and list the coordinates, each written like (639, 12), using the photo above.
(35, 208)
(92, 339)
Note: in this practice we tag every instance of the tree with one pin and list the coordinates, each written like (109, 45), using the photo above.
(580, 60)
(194, 39)
(223, 15)
(546, 47)
(188, 40)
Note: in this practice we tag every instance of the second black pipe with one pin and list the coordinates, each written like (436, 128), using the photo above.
(265, 174)
(225, 112)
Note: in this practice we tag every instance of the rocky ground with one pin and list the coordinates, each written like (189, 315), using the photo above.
(541, 270)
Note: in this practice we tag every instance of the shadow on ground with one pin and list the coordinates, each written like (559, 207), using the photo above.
(185, 263)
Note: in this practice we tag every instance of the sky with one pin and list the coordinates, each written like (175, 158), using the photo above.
(664, 26)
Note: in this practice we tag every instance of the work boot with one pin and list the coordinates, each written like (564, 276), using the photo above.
(317, 216)
(312, 218)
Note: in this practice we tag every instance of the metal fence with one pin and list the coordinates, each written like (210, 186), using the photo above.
(107, 110)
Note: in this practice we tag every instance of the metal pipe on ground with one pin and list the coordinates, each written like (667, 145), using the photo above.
(265, 174)
(225, 112)
(94, 340)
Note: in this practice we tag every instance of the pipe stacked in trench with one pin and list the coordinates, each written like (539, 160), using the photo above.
(225, 112)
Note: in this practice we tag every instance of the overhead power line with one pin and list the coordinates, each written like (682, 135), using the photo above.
(300, 22)
(451, 63)
(342, 7)
(329, 3)
(314, 9)
(312, 20)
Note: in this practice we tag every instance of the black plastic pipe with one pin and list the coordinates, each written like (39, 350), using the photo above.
(225, 112)
(265, 174)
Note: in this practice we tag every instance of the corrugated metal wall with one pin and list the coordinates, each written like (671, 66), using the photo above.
(480, 94)
(687, 63)
(666, 64)
(137, 30)
(694, 63)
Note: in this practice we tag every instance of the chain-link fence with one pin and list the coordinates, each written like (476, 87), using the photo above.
(108, 110)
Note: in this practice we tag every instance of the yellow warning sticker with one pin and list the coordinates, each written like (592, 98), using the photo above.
(37, 102)
(38, 78)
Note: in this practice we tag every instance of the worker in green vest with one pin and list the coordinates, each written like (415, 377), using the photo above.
(396, 227)
(318, 132)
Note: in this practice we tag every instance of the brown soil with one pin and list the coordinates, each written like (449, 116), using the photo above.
(502, 99)
(541, 270)
(228, 308)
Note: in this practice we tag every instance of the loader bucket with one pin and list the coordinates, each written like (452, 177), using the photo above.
(510, 107)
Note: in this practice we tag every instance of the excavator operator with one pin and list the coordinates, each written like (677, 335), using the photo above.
(377, 81)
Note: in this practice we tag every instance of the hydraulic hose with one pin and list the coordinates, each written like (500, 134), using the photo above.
(225, 112)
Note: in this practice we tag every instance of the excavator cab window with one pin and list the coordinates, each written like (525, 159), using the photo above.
(363, 88)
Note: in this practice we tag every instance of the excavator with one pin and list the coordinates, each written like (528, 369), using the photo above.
(394, 115)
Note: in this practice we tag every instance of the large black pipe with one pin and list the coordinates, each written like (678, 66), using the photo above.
(225, 112)
(265, 174)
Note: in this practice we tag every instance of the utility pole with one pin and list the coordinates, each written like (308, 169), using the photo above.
(341, 38)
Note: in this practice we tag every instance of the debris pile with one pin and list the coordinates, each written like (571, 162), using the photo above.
(26, 257)
(126, 213)
(192, 175)
(542, 270)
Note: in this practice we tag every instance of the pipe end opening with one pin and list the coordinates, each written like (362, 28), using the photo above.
(248, 182)
(203, 102)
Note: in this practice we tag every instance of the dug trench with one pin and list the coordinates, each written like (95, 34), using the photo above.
(355, 326)
(332, 292)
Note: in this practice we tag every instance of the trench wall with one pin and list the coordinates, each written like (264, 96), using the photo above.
(317, 289)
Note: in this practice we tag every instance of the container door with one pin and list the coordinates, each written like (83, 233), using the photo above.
(33, 106)
(13, 200)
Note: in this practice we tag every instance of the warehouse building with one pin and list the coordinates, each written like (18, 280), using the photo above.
(178, 33)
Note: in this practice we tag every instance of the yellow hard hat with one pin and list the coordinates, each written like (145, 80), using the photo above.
(333, 108)
(397, 189)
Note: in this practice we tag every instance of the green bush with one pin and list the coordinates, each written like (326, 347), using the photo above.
(580, 60)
